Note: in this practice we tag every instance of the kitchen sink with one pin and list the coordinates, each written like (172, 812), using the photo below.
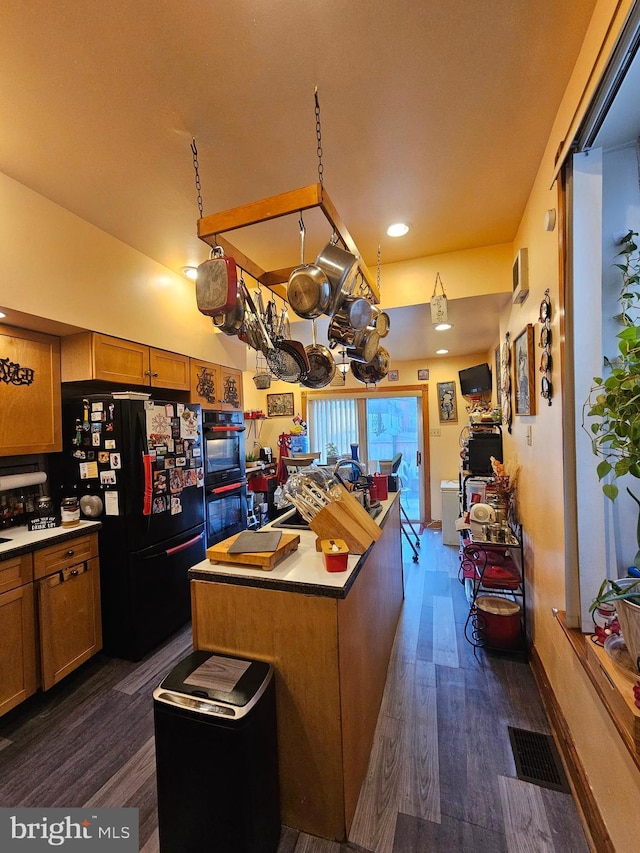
(3, 540)
(294, 521)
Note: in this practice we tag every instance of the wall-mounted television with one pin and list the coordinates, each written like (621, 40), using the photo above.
(475, 380)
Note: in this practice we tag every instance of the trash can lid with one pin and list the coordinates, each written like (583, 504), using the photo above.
(228, 681)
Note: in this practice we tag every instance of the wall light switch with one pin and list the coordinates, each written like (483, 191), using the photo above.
(529, 435)
(435, 432)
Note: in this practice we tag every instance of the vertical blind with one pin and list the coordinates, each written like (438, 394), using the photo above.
(334, 421)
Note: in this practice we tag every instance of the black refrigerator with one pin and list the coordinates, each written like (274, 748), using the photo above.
(137, 467)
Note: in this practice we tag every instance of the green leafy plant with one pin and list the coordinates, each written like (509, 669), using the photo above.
(611, 591)
(614, 401)
(332, 450)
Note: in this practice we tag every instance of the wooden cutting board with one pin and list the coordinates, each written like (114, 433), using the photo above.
(265, 560)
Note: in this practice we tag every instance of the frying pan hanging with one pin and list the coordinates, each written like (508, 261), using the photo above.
(283, 357)
(309, 290)
(322, 367)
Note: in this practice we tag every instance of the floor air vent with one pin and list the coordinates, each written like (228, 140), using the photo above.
(537, 759)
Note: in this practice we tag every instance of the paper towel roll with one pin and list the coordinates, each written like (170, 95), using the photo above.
(18, 481)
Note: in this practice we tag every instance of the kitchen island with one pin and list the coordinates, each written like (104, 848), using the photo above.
(329, 637)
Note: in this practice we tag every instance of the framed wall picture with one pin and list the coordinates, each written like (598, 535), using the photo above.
(523, 378)
(393, 376)
(447, 407)
(423, 375)
(279, 405)
(497, 374)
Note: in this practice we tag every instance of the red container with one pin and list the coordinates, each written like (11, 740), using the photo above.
(259, 483)
(381, 482)
(336, 562)
(498, 621)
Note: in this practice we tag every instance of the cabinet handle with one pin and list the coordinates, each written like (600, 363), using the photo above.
(154, 374)
(147, 373)
(70, 553)
(74, 573)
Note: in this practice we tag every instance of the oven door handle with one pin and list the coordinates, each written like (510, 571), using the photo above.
(226, 428)
(230, 488)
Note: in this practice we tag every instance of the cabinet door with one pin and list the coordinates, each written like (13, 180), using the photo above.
(123, 362)
(230, 390)
(169, 370)
(69, 620)
(31, 420)
(206, 387)
(18, 647)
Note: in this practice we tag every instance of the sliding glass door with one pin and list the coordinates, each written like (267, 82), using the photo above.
(384, 428)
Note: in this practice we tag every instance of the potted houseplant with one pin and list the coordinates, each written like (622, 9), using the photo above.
(624, 594)
(332, 453)
(614, 401)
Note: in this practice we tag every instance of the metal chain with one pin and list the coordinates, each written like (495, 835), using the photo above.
(379, 262)
(319, 138)
(196, 169)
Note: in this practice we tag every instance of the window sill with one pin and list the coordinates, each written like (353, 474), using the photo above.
(615, 690)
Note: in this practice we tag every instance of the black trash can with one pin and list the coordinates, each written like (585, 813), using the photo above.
(217, 757)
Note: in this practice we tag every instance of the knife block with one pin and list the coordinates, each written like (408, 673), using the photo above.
(346, 519)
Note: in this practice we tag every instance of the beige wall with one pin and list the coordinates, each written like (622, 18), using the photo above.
(55, 265)
(613, 776)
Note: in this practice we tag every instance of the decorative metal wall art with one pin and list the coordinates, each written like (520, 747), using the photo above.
(546, 387)
(506, 382)
(12, 374)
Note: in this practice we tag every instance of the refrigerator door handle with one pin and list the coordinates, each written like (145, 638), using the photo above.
(170, 551)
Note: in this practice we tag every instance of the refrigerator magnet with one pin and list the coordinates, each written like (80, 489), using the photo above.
(181, 462)
(108, 478)
(196, 452)
(189, 424)
(109, 444)
(95, 416)
(96, 427)
(169, 462)
(103, 457)
(189, 477)
(160, 482)
(168, 410)
(200, 475)
(114, 461)
(97, 406)
(95, 439)
(159, 504)
(176, 505)
(179, 409)
(111, 503)
(79, 454)
(175, 480)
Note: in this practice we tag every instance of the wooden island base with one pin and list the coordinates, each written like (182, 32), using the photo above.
(331, 656)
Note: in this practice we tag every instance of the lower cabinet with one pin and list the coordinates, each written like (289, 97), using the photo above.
(17, 647)
(50, 617)
(69, 619)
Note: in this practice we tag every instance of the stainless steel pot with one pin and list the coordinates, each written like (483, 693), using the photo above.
(375, 370)
(352, 317)
(381, 321)
(231, 322)
(341, 268)
(309, 290)
(365, 345)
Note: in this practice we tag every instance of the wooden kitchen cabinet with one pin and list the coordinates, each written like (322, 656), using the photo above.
(69, 619)
(31, 420)
(17, 629)
(230, 390)
(206, 386)
(91, 355)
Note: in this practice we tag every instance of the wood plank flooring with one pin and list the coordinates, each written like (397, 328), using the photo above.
(441, 775)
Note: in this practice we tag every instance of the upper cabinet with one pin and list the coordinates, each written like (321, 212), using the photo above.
(31, 420)
(216, 387)
(230, 390)
(90, 355)
(206, 388)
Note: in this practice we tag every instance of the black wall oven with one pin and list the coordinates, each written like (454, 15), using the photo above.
(224, 474)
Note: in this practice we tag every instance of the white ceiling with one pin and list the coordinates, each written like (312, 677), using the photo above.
(434, 113)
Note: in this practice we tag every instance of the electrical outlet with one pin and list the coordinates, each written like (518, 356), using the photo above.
(435, 432)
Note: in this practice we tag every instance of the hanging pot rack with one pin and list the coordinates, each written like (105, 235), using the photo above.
(212, 227)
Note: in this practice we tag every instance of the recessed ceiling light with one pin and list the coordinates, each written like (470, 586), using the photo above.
(2, 314)
(442, 327)
(398, 229)
(442, 351)
(190, 272)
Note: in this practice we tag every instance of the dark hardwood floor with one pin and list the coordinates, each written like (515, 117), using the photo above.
(441, 776)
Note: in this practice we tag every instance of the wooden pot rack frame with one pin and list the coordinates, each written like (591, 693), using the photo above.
(294, 202)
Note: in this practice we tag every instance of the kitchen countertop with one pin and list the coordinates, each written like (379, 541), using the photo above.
(302, 571)
(22, 539)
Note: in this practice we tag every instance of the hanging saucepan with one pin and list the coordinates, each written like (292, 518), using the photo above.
(322, 367)
(309, 290)
(365, 345)
(216, 284)
(231, 322)
(341, 268)
(375, 370)
(287, 360)
(353, 316)
(380, 321)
